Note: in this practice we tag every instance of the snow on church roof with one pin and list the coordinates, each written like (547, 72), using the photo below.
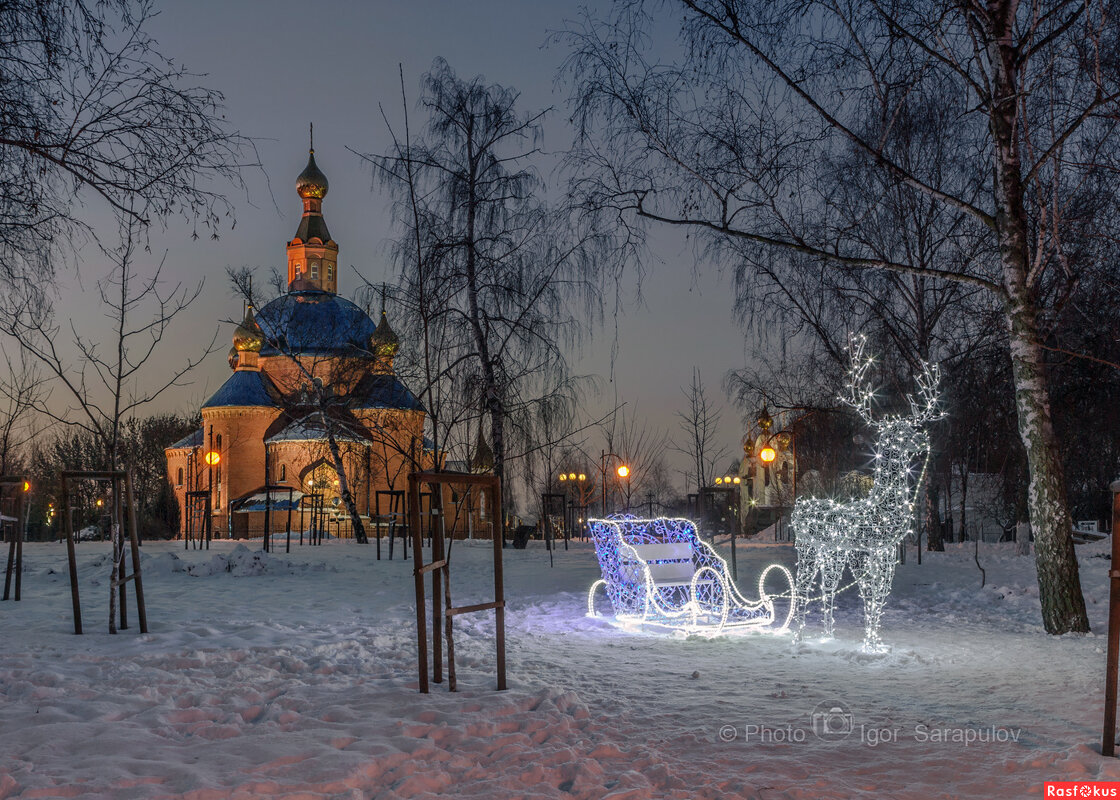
(312, 429)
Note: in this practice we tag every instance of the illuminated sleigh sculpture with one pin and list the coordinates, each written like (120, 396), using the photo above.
(659, 572)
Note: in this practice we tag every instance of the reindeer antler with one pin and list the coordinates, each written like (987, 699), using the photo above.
(858, 392)
(925, 407)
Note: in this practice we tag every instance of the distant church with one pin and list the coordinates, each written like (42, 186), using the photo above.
(260, 430)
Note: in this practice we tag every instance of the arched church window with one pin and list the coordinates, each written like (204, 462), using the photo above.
(180, 481)
(218, 441)
(314, 270)
(330, 272)
(283, 472)
(297, 269)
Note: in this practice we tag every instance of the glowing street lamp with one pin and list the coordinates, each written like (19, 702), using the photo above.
(624, 472)
(213, 457)
(577, 481)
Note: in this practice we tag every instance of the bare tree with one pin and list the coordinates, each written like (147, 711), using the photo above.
(508, 273)
(1036, 90)
(699, 425)
(910, 319)
(641, 448)
(658, 488)
(90, 107)
(22, 392)
(105, 383)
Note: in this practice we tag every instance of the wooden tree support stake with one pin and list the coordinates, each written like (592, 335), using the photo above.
(1108, 739)
(15, 546)
(119, 580)
(440, 569)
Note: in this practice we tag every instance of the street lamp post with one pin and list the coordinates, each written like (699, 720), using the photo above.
(568, 479)
(623, 472)
(731, 485)
(212, 458)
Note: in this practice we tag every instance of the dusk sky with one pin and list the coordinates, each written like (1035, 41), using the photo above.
(282, 64)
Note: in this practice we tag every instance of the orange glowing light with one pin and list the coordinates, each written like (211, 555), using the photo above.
(213, 457)
(26, 486)
(623, 471)
(767, 454)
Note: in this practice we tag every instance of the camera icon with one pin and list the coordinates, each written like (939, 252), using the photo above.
(832, 721)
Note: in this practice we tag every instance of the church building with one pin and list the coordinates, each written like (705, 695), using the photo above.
(264, 446)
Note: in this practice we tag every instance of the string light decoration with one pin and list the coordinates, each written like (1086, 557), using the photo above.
(660, 572)
(864, 534)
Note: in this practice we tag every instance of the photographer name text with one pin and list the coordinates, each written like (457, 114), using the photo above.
(873, 736)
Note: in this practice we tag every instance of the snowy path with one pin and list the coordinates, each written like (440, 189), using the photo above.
(294, 676)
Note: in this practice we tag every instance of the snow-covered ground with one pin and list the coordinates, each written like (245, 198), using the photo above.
(294, 676)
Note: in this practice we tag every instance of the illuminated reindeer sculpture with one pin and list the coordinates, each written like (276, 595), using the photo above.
(864, 534)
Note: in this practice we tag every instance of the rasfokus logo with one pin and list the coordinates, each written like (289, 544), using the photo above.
(1081, 789)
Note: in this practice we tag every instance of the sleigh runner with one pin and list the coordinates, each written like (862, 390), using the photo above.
(659, 572)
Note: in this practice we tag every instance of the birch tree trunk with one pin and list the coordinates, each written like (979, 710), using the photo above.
(1063, 604)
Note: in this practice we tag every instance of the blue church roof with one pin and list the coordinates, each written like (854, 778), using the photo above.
(383, 391)
(244, 388)
(193, 440)
(313, 322)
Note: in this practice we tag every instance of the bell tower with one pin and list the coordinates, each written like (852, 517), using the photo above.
(312, 253)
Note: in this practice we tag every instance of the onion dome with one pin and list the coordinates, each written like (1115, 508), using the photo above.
(248, 336)
(312, 182)
(384, 342)
(234, 357)
(314, 322)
